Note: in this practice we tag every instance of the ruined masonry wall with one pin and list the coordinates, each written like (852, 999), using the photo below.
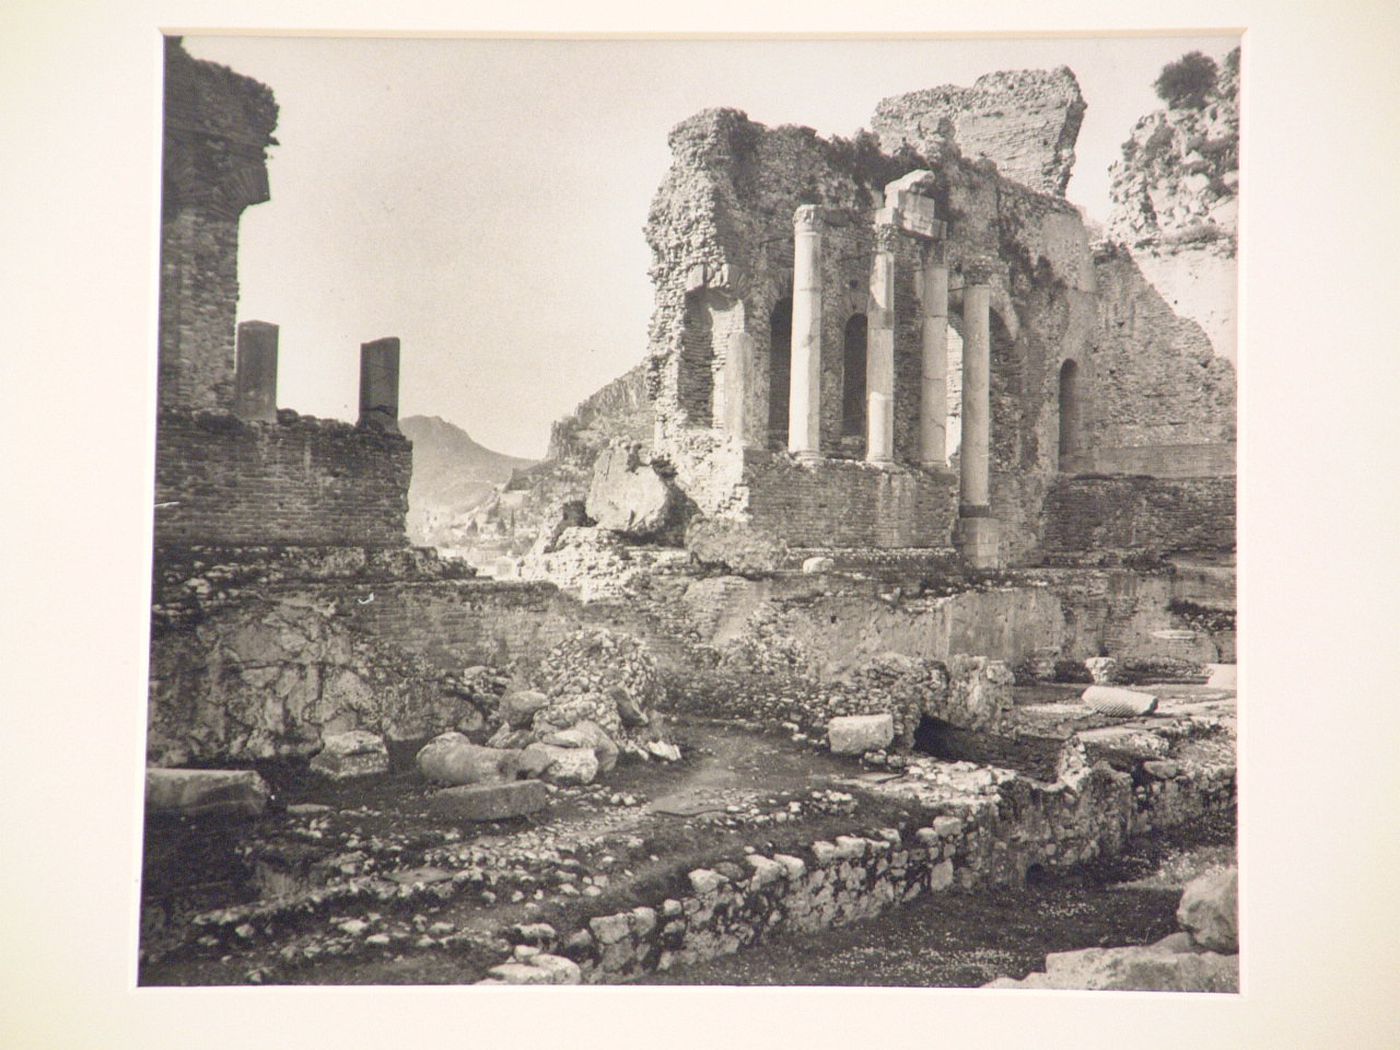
(1156, 515)
(861, 875)
(848, 503)
(299, 481)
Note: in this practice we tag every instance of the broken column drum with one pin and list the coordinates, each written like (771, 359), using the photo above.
(379, 385)
(879, 362)
(804, 401)
(255, 376)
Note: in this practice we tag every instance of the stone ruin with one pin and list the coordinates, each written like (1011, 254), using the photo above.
(901, 351)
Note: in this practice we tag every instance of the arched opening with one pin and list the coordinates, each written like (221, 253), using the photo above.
(853, 378)
(779, 372)
(1070, 439)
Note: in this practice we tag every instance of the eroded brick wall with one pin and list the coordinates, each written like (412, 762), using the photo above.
(299, 481)
(218, 126)
(849, 503)
(1151, 515)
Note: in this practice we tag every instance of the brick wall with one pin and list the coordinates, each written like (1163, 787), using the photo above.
(218, 126)
(1160, 461)
(299, 481)
(840, 503)
(1157, 515)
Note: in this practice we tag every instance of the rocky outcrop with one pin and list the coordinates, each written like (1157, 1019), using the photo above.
(1209, 910)
(1024, 121)
(1175, 204)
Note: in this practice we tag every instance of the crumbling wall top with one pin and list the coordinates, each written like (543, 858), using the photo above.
(1025, 121)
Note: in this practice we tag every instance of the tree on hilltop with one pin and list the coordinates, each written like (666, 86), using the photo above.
(1185, 83)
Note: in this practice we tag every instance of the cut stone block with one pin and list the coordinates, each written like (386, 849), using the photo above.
(590, 735)
(206, 792)
(1119, 703)
(453, 759)
(1102, 669)
(818, 564)
(857, 734)
(628, 496)
(353, 754)
(490, 801)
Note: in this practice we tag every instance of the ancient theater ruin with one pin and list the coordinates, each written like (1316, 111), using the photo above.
(901, 566)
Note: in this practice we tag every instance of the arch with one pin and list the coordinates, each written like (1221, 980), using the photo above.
(779, 372)
(853, 384)
(1070, 410)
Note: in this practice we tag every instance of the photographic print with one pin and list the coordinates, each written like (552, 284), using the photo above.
(751, 512)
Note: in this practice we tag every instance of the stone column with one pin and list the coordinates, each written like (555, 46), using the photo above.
(879, 350)
(255, 373)
(977, 530)
(933, 397)
(804, 399)
(379, 385)
(976, 394)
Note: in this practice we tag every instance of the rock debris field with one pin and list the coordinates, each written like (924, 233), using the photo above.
(660, 867)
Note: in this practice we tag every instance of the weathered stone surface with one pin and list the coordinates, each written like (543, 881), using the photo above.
(1223, 676)
(1119, 703)
(857, 734)
(559, 969)
(1209, 910)
(1102, 669)
(628, 496)
(1025, 121)
(593, 675)
(518, 709)
(590, 735)
(1147, 969)
(560, 765)
(818, 564)
(490, 801)
(742, 549)
(979, 692)
(1120, 743)
(352, 754)
(206, 792)
(451, 758)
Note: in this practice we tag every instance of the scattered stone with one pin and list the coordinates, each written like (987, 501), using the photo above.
(354, 754)
(818, 564)
(519, 973)
(308, 809)
(857, 734)
(590, 735)
(490, 801)
(703, 880)
(559, 969)
(560, 765)
(519, 708)
(206, 792)
(1119, 703)
(662, 750)
(451, 758)
(1209, 910)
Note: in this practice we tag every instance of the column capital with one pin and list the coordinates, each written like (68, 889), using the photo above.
(809, 218)
(886, 237)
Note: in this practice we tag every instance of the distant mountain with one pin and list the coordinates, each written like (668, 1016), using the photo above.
(452, 476)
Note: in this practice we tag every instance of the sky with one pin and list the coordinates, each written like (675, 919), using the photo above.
(484, 200)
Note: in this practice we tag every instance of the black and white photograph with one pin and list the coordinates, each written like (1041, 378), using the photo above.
(699, 527)
(607, 530)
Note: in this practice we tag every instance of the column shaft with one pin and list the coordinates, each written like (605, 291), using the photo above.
(879, 355)
(804, 399)
(379, 385)
(933, 396)
(976, 395)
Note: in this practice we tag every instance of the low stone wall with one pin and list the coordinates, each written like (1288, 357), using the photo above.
(300, 481)
(991, 840)
(848, 503)
(1094, 515)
